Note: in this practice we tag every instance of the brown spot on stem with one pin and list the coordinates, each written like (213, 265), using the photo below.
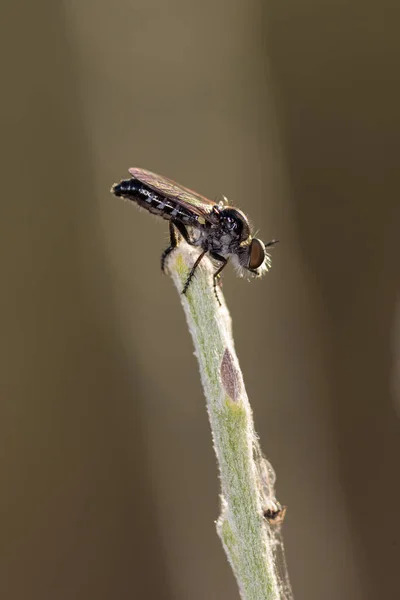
(230, 376)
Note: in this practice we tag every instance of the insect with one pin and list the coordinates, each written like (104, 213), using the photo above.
(273, 511)
(276, 515)
(220, 230)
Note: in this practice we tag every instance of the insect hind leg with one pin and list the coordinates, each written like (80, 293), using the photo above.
(173, 243)
(183, 231)
(174, 240)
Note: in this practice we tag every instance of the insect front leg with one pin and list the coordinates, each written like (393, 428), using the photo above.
(217, 273)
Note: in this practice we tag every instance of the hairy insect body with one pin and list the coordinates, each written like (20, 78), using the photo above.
(220, 230)
(223, 236)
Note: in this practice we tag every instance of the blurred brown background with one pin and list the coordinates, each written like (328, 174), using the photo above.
(108, 481)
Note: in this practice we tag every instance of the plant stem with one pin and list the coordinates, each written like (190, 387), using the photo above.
(248, 539)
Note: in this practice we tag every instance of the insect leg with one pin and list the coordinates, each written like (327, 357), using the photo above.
(173, 244)
(183, 231)
(217, 273)
(192, 270)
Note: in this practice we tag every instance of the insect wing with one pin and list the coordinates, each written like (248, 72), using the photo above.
(191, 200)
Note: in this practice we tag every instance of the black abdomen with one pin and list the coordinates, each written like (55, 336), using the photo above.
(144, 196)
(128, 188)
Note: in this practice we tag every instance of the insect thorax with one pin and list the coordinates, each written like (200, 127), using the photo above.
(227, 234)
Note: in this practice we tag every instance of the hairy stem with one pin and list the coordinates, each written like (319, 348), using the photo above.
(248, 539)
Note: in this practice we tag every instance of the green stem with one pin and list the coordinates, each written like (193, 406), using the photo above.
(245, 533)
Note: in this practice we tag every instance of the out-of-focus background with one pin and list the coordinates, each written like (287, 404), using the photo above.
(109, 486)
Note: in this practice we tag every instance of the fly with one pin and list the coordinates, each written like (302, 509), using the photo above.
(217, 229)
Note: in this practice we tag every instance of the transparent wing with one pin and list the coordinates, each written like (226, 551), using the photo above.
(191, 200)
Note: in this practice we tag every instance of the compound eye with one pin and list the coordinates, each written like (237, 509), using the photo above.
(257, 254)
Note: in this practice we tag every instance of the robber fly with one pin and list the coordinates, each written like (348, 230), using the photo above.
(220, 230)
